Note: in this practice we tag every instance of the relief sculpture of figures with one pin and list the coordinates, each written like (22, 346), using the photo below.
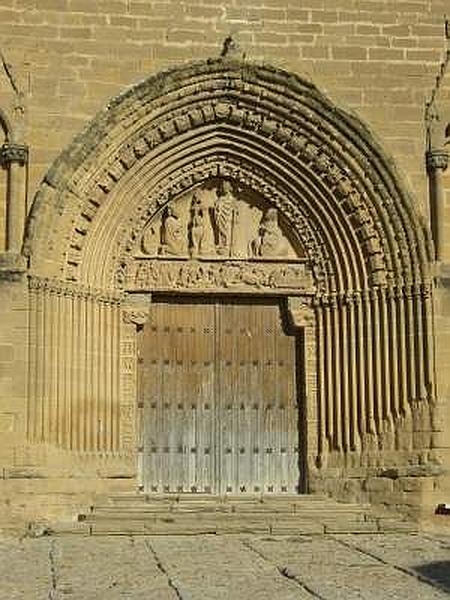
(173, 235)
(270, 242)
(166, 274)
(214, 221)
(223, 210)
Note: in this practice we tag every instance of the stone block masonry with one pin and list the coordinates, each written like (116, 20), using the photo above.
(377, 57)
(68, 354)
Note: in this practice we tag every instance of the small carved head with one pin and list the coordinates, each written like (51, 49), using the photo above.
(225, 187)
(271, 216)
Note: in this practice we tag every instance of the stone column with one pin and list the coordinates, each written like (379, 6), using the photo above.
(13, 158)
(135, 314)
(437, 162)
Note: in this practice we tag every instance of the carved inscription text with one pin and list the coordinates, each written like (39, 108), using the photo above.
(235, 275)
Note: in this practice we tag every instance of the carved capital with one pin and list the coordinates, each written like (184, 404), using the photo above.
(13, 153)
(300, 312)
(137, 310)
(437, 159)
(426, 290)
(357, 299)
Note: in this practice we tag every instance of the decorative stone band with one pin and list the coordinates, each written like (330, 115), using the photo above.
(224, 275)
(392, 292)
(437, 159)
(13, 153)
(64, 288)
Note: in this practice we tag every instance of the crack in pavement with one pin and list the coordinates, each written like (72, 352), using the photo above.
(284, 571)
(53, 592)
(162, 568)
(400, 568)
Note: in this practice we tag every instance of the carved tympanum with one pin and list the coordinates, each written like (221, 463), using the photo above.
(215, 221)
(217, 236)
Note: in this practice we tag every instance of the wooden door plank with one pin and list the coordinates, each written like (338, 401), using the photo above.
(258, 410)
(220, 398)
(179, 372)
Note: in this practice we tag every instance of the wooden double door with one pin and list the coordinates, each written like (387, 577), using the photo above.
(219, 393)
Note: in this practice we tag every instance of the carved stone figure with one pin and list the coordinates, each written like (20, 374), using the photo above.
(223, 210)
(149, 243)
(270, 242)
(197, 225)
(173, 240)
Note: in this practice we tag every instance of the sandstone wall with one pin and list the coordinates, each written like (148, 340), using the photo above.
(378, 58)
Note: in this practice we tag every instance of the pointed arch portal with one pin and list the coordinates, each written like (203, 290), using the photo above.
(240, 192)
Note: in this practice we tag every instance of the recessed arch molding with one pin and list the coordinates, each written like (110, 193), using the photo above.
(371, 391)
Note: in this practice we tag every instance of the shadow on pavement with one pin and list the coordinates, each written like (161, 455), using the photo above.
(437, 573)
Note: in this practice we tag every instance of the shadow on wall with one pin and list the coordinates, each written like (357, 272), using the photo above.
(437, 573)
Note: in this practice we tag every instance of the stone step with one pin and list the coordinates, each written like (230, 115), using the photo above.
(188, 524)
(293, 503)
(191, 515)
(121, 499)
(136, 516)
(233, 507)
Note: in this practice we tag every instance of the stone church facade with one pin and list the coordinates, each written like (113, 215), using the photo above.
(229, 276)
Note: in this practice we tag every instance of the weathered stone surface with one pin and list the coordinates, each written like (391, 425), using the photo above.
(224, 176)
(337, 568)
(210, 567)
(26, 568)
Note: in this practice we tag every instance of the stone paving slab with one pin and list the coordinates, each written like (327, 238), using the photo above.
(88, 569)
(221, 568)
(336, 568)
(427, 557)
(25, 569)
(208, 567)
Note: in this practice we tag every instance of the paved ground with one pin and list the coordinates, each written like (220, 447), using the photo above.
(226, 567)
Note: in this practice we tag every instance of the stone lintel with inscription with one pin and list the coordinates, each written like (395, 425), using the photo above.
(229, 275)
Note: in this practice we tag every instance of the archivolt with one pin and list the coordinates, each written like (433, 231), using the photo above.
(320, 164)
(278, 135)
